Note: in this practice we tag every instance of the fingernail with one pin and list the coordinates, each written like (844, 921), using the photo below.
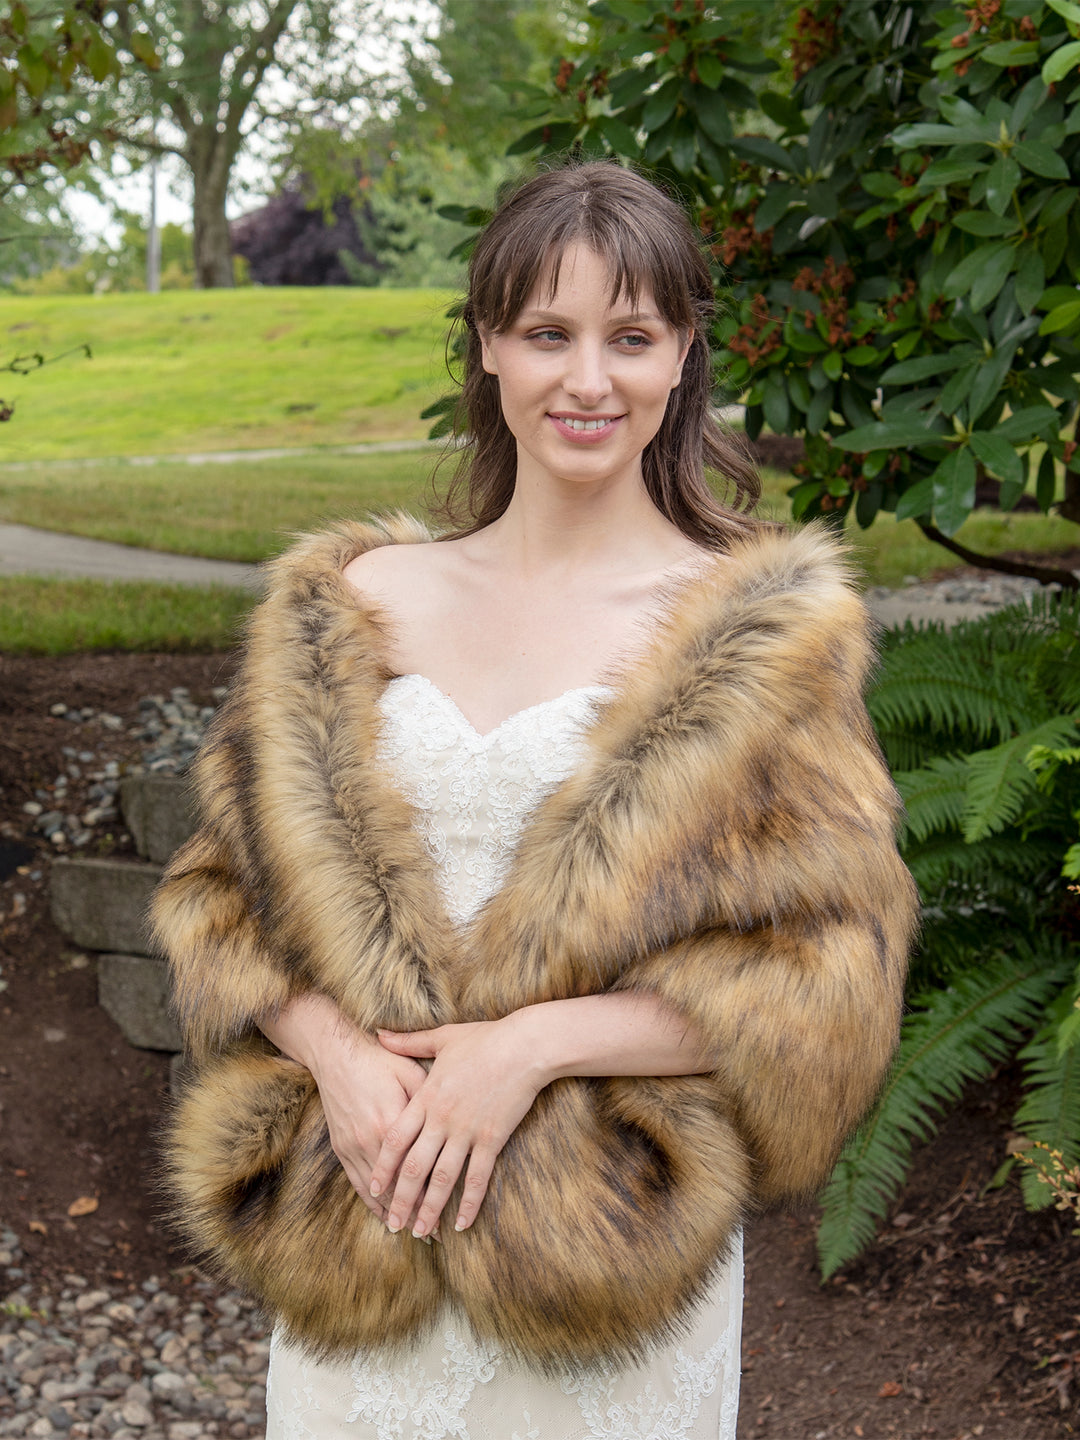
(376, 1189)
(393, 1225)
(459, 1224)
(418, 1230)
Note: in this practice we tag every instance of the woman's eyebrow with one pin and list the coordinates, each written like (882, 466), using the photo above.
(549, 317)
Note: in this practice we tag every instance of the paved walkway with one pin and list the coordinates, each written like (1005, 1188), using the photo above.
(228, 457)
(26, 551)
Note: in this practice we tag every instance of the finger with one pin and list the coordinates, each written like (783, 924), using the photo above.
(477, 1177)
(443, 1178)
(415, 1170)
(359, 1177)
(396, 1142)
(418, 1043)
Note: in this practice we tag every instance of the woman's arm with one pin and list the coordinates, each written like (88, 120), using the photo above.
(485, 1076)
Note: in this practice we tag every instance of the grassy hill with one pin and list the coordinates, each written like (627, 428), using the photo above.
(194, 370)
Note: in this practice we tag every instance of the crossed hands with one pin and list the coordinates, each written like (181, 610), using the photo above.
(405, 1133)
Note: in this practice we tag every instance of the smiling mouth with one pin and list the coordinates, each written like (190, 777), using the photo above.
(573, 423)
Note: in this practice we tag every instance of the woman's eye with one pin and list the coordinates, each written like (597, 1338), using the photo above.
(547, 337)
(634, 342)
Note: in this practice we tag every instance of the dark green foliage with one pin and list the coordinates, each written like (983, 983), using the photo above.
(964, 715)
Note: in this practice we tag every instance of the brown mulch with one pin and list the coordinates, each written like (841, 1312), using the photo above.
(963, 1321)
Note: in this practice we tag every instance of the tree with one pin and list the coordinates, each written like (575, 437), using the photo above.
(231, 73)
(289, 241)
(897, 236)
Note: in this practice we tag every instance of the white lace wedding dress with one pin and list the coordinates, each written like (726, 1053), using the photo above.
(473, 793)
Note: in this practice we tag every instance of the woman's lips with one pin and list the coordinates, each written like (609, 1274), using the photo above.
(585, 430)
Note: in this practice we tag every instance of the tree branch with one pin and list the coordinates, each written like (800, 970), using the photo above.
(1045, 574)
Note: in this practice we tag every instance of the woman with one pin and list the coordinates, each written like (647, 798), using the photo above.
(554, 862)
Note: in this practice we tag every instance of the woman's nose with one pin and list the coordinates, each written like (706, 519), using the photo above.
(587, 377)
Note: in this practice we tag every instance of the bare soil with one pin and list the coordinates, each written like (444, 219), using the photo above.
(962, 1322)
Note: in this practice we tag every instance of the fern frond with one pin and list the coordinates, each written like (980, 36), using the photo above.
(949, 681)
(934, 796)
(1000, 780)
(958, 1034)
(998, 861)
(1050, 1110)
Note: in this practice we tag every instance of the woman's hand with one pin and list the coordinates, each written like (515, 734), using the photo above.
(479, 1087)
(364, 1091)
(363, 1087)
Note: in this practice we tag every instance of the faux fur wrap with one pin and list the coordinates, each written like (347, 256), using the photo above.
(727, 844)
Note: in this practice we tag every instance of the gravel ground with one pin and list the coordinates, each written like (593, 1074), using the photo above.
(168, 1362)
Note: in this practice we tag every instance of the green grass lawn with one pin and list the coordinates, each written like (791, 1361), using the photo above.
(60, 617)
(244, 510)
(193, 370)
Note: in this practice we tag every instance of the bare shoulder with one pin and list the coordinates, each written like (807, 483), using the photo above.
(389, 574)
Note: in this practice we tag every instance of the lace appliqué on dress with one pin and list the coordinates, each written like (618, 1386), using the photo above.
(473, 793)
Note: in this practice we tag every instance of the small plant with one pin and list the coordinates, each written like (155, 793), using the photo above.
(1062, 1179)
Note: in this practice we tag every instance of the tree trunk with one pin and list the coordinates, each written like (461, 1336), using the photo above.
(210, 166)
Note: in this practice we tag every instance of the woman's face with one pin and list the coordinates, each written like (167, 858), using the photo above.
(584, 383)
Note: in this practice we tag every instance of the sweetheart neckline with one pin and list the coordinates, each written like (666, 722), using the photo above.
(486, 735)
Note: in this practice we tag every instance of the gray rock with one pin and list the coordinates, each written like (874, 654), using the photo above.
(101, 904)
(158, 812)
(134, 991)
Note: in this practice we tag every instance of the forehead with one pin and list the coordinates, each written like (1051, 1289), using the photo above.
(577, 271)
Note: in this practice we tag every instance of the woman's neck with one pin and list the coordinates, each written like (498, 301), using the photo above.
(551, 527)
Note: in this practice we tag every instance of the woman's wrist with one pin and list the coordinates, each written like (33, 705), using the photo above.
(310, 1029)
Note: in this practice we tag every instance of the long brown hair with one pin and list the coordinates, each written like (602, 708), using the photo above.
(648, 243)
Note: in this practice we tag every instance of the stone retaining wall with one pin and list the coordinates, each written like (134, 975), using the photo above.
(101, 905)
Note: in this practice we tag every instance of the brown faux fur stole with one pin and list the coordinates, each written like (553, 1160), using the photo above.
(727, 844)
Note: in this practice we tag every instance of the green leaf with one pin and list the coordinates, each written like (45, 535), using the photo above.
(820, 408)
(683, 149)
(914, 137)
(660, 105)
(868, 503)
(964, 275)
(799, 338)
(888, 435)
(1066, 9)
(1001, 180)
(989, 378)
(620, 137)
(1046, 484)
(998, 455)
(1062, 317)
(917, 500)
(834, 364)
(803, 496)
(958, 389)
(1030, 280)
(1023, 425)
(864, 355)
(556, 136)
(1040, 159)
(981, 222)
(1059, 64)
(880, 183)
(761, 152)
(954, 490)
(992, 277)
(949, 171)
(922, 367)
(774, 402)
(1011, 52)
(783, 111)
(711, 114)
(776, 201)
